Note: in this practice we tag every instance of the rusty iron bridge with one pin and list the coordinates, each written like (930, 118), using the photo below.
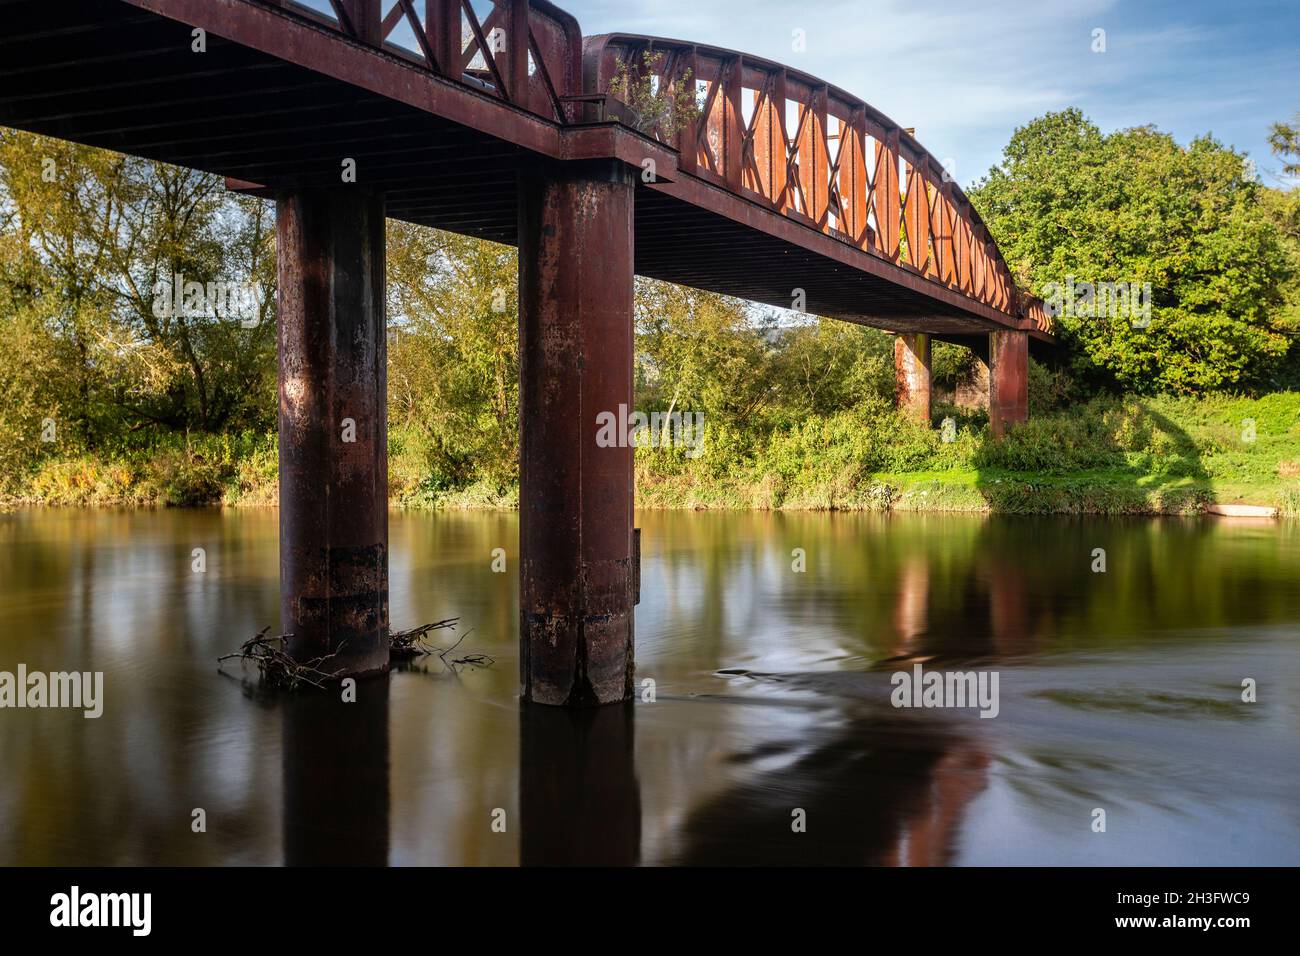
(496, 120)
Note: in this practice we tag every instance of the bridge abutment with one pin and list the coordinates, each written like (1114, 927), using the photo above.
(576, 478)
(1008, 380)
(912, 375)
(333, 430)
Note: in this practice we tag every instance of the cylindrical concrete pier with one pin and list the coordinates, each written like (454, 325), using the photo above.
(576, 493)
(333, 431)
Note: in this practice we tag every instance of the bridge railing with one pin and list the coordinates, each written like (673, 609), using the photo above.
(525, 52)
(819, 156)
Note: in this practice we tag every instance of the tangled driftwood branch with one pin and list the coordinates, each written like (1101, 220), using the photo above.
(279, 670)
(403, 645)
(276, 667)
(473, 660)
(409, 644)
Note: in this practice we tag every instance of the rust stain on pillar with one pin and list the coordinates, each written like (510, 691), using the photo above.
(1008, 380)
(912, 375)
(333, 378)
(576, 498)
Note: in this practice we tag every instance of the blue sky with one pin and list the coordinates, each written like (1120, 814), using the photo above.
(966, 74)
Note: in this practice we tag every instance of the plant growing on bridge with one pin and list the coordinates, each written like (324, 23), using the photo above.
(655, 107)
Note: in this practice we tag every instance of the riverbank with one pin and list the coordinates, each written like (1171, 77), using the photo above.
(1106, 456)
(1117, 456)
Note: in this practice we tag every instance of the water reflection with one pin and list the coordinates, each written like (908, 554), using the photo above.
(1119, 689)
(873, 790)
(336, 799)
(579, 798)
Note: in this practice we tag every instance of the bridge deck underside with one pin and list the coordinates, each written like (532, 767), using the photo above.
(109, 75)
(690, 245)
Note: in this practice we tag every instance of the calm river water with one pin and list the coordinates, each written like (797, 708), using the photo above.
(1118, 691)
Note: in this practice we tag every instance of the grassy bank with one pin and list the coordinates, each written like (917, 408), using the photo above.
(1106, 456)
(172, 470)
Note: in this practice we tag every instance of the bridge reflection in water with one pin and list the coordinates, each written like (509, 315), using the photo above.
(772, 694)
(877, 786)
(335, 786)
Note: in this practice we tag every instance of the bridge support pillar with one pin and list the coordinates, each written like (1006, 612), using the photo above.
(575, 396)
(333, 430)
(912, 375)
(1008, 380)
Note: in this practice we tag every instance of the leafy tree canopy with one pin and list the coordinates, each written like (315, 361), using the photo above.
(1069, 202)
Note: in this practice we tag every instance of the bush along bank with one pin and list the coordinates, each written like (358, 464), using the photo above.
(1110, 455)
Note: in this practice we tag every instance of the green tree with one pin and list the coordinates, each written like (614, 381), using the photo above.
(1283, 207)
(1133, 206)
(88, 236)
(699, 351)
(453, 380)
(828, 366)
(1284, 139)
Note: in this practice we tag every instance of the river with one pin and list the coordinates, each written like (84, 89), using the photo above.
(771, 737)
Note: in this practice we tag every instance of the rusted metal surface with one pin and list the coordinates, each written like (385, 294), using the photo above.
(912, 375)
(821, 157)
(524, 52)
(501, 126)
(303, 37)
(1008, 380)
(333, 430)
(576, 497)
(441, 102)
(697, 234)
